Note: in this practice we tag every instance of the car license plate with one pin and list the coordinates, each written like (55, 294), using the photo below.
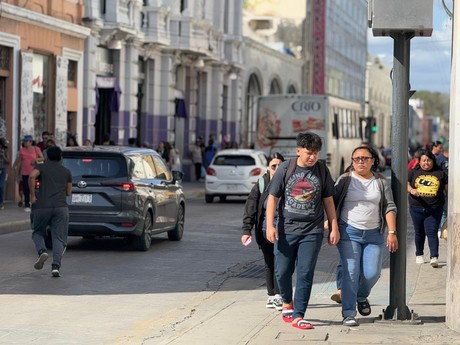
(82, 198)
(232, 187)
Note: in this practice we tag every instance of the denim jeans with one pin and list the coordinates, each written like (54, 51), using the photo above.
(426, 223)
(298, 253)
(361, 253)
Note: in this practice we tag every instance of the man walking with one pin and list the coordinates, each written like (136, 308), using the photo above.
(305, 194)
(50, 207)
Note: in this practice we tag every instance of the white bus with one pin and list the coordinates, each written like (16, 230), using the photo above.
(337, 121)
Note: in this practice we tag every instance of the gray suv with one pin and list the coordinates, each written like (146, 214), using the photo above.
(123, 192)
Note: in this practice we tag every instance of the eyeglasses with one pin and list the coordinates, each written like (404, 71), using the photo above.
(274, 166)
(361, 159)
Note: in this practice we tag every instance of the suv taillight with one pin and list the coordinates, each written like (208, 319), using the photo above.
(211, 172)
(255, 172)
(124, 186)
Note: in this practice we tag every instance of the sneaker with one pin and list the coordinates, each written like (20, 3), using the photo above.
(42, 257)
(270, 302)
(364, 308)
(278, 302)
(337, 296)
(419, 259)
(350, 321)
(27, 209)
(55, 270)
(434, 262)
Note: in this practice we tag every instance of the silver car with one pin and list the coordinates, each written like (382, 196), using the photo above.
(234, 172)
(123, 192)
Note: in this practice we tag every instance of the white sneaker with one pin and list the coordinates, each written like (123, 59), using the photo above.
(434, 262)
(270, 302)
(278, 302)
(27, 209)
(419, 259)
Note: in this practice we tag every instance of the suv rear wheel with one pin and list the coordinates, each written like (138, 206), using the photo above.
(177, 232)
(143, 242)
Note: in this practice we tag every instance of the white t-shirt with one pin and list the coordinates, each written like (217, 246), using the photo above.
(361, 207)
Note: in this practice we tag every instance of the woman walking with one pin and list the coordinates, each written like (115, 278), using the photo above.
(254, 217)
(365, 207)
(426, 185)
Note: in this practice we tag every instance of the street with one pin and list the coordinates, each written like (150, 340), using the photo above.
(110, 293)
(205, 289)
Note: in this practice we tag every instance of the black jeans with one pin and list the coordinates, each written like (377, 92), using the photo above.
(269, 259)
(426, 224)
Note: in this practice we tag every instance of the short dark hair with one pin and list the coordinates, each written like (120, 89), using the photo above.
(309, 141)
(45, 133)
(430, 155)
(54, 153)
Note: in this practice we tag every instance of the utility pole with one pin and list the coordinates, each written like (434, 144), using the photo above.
(400, 20)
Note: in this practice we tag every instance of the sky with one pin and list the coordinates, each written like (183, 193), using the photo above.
(430, 57)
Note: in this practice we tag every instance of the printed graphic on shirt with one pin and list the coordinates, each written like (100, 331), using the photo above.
(302, 193)
(427, 185)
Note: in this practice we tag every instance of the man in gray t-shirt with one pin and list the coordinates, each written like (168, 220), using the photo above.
(306, 194)
(49, 205)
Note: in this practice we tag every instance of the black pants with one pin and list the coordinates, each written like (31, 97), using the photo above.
(269, 258)
(197, 171)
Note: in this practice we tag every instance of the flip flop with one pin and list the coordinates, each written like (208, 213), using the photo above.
(286, 314)
(302, 324)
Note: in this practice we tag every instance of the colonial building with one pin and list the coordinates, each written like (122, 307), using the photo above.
(41, 70)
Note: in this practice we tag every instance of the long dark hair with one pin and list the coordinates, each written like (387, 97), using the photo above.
(273, 156)
(373, 154)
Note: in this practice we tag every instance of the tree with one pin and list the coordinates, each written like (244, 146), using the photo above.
(435, 103)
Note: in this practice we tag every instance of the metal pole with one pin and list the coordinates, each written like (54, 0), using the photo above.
(398, 309)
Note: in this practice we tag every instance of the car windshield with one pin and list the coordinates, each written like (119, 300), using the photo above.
(96, 167)
(239, 160)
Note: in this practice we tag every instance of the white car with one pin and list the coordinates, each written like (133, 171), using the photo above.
(234, 172)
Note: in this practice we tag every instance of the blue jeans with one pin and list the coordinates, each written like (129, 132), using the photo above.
(299, 253)
(2, 184)
(361, 253)
(426, 223)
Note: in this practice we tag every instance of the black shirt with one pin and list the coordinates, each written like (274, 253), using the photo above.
(430, 185)
(53, 185)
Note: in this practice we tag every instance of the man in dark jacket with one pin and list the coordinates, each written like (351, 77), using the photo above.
(50, 207)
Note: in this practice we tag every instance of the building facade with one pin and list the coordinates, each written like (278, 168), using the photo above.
(41, 70)
(336, 39)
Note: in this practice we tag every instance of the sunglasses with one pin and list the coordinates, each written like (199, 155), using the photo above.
(361, 159)
(274, 166)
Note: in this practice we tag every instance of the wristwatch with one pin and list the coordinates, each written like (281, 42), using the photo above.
(393, 232)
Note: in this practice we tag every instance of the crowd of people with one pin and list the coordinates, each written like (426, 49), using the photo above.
(287, 211)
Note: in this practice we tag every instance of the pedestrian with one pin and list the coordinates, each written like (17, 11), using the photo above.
(42, 144)
(175, 159)
(4, 161)
(254, 218)
(88, 143)
(305, 196)
(163, 150)
(365, 208)
(426, 185)
(49, 143)
(72, 141)
(196, 154)
(28, 157)
(50, 207)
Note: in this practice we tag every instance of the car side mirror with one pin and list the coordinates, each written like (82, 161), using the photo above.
(177, 175)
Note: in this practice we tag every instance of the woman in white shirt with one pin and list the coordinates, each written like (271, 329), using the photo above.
(365, 207)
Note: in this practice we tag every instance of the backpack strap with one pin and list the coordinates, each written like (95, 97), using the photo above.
(291, 169)
(261, 184)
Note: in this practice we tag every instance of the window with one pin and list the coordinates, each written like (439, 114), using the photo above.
(41, 90)
(72, 73)
(149, 167)
(234, 160)
(137, 165)
(95, 167)
(161, 169)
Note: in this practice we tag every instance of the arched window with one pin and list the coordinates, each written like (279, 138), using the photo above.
(291, 89)
(275, 87)
(253, 91)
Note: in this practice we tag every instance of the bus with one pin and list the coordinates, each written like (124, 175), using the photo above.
(337, 121)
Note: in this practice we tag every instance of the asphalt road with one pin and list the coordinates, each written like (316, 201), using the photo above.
(109, 293)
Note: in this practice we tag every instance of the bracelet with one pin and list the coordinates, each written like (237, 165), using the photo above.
(392, 232)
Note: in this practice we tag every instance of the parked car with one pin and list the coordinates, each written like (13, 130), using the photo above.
(123, 192)
(234, 172)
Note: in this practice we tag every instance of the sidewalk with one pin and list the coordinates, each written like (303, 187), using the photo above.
(236, 313)
(14, 218)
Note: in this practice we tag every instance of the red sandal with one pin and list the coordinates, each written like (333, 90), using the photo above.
(286, 313)
(302, 324)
